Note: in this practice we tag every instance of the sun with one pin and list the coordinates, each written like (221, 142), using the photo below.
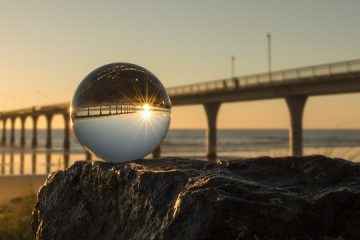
(145, 111)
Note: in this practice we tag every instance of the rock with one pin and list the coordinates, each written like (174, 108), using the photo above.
(170, 198)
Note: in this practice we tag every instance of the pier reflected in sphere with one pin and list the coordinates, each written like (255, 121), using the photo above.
(120, 112)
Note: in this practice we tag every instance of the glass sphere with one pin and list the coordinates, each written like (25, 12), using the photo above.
(120, 112)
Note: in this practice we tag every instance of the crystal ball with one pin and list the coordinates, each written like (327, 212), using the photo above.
(120, 112)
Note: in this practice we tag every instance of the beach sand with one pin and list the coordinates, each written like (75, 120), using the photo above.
(15, 186)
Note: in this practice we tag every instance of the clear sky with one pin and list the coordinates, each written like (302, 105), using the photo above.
(48, 47)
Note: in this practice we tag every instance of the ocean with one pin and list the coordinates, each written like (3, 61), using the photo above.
(232, 144)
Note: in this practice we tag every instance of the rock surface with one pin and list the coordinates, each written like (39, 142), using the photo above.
(263, 198)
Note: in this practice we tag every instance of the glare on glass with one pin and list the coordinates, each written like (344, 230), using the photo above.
(120, 112)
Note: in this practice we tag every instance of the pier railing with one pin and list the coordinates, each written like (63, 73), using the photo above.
(302, 74)
(104, 110)
(110, 110)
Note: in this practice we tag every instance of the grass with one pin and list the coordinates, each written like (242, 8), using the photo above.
(15, 218)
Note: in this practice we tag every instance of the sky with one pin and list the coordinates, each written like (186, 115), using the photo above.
(48, 47)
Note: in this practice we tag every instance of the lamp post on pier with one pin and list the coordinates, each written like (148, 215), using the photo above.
(232, 66)
(269, 54)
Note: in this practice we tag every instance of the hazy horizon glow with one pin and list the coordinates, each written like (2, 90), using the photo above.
(47, 48)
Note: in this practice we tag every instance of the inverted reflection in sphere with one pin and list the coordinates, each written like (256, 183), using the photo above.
(120, 112)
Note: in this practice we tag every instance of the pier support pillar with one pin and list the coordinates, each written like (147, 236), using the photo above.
(157, 152)
(12, 131)
(22, 134)
(66, 159)
(211, 110)
(34, 136)
(66, 131)
(88, 155)
(48, 135)
(296, 106)
(3, 136)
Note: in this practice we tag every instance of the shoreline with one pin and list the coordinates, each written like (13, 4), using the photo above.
(12, 186)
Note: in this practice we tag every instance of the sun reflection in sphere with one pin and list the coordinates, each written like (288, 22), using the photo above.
(146, 111)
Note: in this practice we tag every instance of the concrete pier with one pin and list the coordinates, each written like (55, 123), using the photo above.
(22, 134)
(296, 106)
(293, 85)
(66, 131)
(66, 159)
(48, 131)
(8, 121)
(34, 113)
(3, 136)
(12, 131)
(88, 155)
(34, 136)
(211, 110)
(157, 152)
